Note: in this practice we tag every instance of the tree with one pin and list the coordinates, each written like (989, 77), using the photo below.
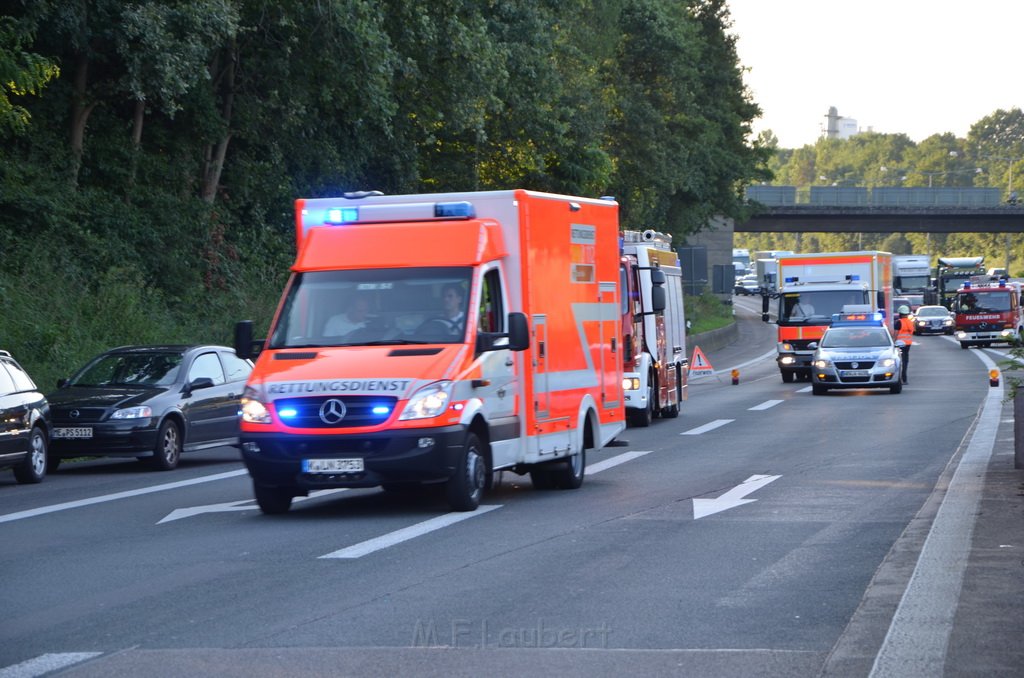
(21, 73)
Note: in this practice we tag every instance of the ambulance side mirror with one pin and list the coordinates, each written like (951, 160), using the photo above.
(245, 347)
(518, 332)
(764, 308)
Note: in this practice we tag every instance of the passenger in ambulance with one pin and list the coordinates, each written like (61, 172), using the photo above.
(354, 318)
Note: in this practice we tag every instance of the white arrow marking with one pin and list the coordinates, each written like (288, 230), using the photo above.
(732, 498)
(178, 514)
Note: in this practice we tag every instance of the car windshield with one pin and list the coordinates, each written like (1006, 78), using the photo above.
(374, 307)
(130, 369)
(932, 312)
(855, 337)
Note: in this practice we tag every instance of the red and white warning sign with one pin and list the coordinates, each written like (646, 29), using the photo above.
(699, 363)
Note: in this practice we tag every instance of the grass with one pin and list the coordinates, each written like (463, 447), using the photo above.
(707, 312)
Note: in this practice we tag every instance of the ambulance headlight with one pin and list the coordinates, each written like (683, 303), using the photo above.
(254, 411)
(786, 346)
(429, 401)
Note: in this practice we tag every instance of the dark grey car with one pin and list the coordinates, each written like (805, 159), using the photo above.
(150, 402)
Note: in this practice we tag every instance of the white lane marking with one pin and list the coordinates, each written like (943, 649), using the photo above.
(765, 405)
(614, 461)
(45, 663)
(42, 510)
(918, 636)
(805, 389)
(770, 354)
(178, 514)
(732, 498)
(405, 534)
(710, 426)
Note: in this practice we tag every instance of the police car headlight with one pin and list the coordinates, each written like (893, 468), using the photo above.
(253, 410)
(922, 323)
(429, 401)
(822, 364)
(887, 362)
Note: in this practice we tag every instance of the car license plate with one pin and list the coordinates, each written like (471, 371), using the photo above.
(855, 373)
(73, 432)
(332, 465)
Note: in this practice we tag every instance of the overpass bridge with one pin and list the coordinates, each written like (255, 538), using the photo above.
(857, 209)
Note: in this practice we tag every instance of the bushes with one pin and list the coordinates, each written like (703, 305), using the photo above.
(707, 312)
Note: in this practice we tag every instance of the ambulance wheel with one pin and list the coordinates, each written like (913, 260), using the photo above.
(568, 474)
(818, 389)
(466, 486)
(272, 501)
(787, 377)
(540, 476)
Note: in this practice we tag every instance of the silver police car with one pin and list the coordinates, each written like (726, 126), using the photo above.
(856, 351)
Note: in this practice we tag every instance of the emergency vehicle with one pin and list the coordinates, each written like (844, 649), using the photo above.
(654, 326)
(856, 351)
(813, 287)
(488, 340)
(987, 313)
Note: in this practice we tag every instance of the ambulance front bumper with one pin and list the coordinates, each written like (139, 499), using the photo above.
(308, 462)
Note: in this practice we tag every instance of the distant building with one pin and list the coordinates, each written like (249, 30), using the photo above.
(838, 127)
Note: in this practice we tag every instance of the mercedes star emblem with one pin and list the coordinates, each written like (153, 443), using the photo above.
(332, 411)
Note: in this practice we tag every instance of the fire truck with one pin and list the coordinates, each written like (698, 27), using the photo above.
(988, 312)
(654, 327)
(813, 287)
(436, 339)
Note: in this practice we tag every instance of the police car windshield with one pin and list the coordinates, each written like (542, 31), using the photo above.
(855, 337)
(374, 307)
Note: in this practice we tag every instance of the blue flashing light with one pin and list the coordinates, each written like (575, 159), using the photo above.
(342, 215)
(855, 276)
(454, 210)
(381, 409)
(873, 319)
(792, 280)
(287, 412)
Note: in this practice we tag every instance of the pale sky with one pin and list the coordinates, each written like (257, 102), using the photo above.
(920, 67)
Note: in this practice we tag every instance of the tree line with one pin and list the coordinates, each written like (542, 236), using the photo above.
(991, 155)
(152, 150)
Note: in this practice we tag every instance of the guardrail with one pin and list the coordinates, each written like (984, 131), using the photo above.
(862, 196)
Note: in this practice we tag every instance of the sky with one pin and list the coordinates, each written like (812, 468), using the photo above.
(917, 67)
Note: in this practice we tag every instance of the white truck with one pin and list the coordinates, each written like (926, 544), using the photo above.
(654, 327)
(911, 278)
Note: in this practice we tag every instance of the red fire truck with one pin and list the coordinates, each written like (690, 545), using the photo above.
(988, 312)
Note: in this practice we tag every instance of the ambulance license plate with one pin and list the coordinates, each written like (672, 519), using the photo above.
(332, 465)
(855, 373)
(72, 432)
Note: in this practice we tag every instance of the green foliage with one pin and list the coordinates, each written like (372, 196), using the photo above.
(21, 73)
(707, 312)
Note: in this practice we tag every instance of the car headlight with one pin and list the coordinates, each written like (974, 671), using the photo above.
(947, 321)
(254, 411)
(822, 364)
(141, 412)
(429, 401)
(887, 362)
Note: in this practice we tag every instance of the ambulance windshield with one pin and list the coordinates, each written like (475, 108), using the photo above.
(374, 307)
(817, 306)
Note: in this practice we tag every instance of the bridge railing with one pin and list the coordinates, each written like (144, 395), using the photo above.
(861, 196)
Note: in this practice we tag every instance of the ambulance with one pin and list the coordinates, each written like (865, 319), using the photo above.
(437, 339)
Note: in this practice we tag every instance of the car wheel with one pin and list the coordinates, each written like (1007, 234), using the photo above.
(896, 388)
(33, 469)
(466, 486)
(167, 451)
(568, 474)
(818, 389)
(272, 500)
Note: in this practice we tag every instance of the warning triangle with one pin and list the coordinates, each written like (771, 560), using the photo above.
(699, 362)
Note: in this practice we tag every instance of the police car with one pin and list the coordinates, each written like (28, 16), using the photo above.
(856, 351)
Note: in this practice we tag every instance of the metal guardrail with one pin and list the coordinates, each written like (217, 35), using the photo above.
(861, 196)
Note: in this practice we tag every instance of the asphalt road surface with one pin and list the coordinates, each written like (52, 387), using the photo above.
(764, 532)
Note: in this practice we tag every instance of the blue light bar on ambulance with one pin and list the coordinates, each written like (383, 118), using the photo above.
(326, 211)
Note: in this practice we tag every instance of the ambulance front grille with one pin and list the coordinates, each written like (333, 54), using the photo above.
(335, 412)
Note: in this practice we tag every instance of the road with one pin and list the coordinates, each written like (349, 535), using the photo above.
(764, 532)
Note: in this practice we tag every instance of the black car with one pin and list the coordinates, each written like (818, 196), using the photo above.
(24, 422)
(149, 402)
